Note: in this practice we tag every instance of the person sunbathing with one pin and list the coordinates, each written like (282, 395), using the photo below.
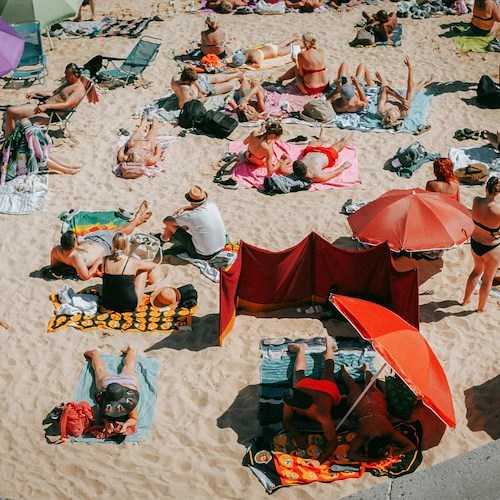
(375, 437)
(484, 15)
(317, 156)
(192, 85)
(117, 395)
(142, 147)
(212, 39)
(304, 5)
(225, 6)
(445, 181)
(256, 55)
(65, 97)
(313, 398)
(392, 107)
(249, 100)
(381, 24)
(350, 97)
(86, 257)
(309, 72)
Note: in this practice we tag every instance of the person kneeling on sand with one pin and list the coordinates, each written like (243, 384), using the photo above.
(316, 157)
(313, 398)
(117, 395)
(375, 437)
(86, 257)
(197, 228)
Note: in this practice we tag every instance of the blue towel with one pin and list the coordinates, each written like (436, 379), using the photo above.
(146, 370)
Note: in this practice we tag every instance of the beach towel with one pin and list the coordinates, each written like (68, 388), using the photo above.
(146, 370)
(143, 170)
(463, 157)
(108, 26)
(82, 223)
(277, 462)
(24, 194)
(276, 371)
(394, 41)
(145, 318)
(248, 176)
(473, 43)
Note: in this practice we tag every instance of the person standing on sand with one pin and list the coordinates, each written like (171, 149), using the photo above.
(91, 4)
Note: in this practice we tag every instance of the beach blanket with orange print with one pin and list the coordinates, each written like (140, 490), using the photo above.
(281, 463)
(145, 319)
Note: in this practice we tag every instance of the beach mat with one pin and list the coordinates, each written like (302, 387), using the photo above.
(146, 370)
(277, 462)
(466, 41)
(394, 41)
(145, 319)
(88, 222)
(25, 194)
(276, 371)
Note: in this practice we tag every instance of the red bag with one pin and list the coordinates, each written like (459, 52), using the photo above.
(76, 419)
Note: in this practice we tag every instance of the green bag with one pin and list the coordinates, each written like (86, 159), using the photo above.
(400, 399)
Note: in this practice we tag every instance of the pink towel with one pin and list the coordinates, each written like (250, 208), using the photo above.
(248, 176)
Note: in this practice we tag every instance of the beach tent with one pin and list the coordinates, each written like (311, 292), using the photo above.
(261, 280)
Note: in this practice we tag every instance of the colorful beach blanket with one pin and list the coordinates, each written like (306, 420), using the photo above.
(248, 176)
(278, 462)
(463, 157)
(394, 41)
(146, 371)
(131, 28)
(82, 223)
(145, 319)
(24, 194)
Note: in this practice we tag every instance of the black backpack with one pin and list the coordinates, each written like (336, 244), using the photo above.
(217, 124)
(191, 114)
(488, 93)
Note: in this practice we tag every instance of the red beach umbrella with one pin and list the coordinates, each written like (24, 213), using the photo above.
(414, 220)
(404, 349)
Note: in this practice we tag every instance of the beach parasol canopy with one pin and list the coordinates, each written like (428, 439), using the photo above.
(46, 12)
(404, 349)
(414, 220)
(11, 48)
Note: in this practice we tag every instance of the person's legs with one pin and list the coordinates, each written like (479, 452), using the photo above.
(92, 8)
(343, 71)
(284, 46)
(491, 261)
(98, 365)
(362, 72)
(140, 217)
(14, 113)
(78, 18)
(140, 132)
(328, 370)
(259, 94)
(422, 84)
(222, 77)
(353, 390)
(289, 75)
(473, 278)
(129, 364)
(57, 166)
(300, 362)
(340, 145)
(170, 228)
(140, 282)
(153, 133)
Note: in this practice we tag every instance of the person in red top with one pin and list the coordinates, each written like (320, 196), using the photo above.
(313, 398)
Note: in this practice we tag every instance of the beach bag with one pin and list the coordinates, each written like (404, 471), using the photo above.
(473, 174)
(282, 184)
(217, 124)
(488, 93)
(265, 8)
(132, 170)
(363, 37)
(145, 247)
(400, 399)
(189, 296)
(408, 160)
(191, 114)
(75, 419)
(317, 110)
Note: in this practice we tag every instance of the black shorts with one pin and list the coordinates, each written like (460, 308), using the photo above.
(182, 237)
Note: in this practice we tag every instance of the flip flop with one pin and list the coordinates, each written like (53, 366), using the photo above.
(421, 129)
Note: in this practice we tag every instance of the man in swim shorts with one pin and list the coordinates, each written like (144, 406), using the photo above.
(86, 256)
(317, 157)
(313, 398)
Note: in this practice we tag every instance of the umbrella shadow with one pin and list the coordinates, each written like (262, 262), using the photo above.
(481, 403)
(241, 416)
(433, 311)
(426, 268)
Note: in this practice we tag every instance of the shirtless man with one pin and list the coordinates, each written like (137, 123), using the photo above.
(381, 24)
(86, 257)
(142, 147)
(375, 438)
(317, 157)
(67, 96)
(350, 97)
(192, 85)
(313, 398)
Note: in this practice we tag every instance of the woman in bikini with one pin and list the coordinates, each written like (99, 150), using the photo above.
(484, 243)
(484, 15)
(212, 39)
(256, 55)
(310, 71)
(124, 278)
(375, 436)
(445, 181)
(141, 147)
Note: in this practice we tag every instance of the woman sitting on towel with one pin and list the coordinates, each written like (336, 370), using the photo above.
(310, 71)
(445, 181)
(212, 39)
(142, 147)
(484, 15)
(124, 278)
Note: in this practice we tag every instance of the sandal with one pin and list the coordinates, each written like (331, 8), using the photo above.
(421, 129)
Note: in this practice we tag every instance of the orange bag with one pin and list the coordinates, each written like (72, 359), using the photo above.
(211, 60)
(75, 419)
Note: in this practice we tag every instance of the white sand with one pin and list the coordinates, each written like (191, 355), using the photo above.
(207, 404)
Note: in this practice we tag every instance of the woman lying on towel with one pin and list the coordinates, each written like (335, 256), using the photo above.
(445, 181)
(256, 55)
(375, 436)
(225, 6)
(304, 5)
(212, 39)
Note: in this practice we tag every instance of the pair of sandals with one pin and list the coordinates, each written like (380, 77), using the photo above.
(467, 133)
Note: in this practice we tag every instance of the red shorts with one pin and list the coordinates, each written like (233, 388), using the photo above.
(331, 153)
(326, 386)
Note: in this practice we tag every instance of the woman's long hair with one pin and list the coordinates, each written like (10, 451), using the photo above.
(443, 170)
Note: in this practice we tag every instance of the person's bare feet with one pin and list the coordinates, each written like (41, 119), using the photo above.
(296, 347)
(91, 353)
(331, 343)
(3, 324)
(128, 349)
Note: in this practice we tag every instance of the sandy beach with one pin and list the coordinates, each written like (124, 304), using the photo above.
(208, 395)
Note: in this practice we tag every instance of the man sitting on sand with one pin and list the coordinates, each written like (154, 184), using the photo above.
(198, 228)
(192, 85)
(350, 97)
(375, 437)
(317, 156)
(117, 395)
(313, 398)
(381, 24)
(65, 97)
(86, 257)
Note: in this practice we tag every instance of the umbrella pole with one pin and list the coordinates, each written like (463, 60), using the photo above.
(47, 32)
(360, 397)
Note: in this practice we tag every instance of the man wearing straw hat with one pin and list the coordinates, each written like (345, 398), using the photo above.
(198, 227)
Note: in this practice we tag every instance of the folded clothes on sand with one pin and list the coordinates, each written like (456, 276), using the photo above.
(24, 194)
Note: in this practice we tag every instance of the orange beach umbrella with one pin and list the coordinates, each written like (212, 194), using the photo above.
(404, 349)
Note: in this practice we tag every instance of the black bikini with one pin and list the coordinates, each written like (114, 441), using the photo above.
(480, 249)
(118, 291)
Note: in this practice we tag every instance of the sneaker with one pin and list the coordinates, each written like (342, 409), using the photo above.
(229, 184)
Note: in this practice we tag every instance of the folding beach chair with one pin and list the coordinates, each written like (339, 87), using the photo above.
(33, 64)
(136, 62)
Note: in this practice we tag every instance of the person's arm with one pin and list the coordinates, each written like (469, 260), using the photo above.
(299, 62)
(403, 444)
(54, 260)
(290, 427)
(41, 93)
(121, 156)
(69, 103)
(382, 102)
(326, 176)
(495, 11)
(252, 134)
(84, 273)
(409, 85)
(156, 156)
(144, 265)
(133, 419)
(332, 440)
